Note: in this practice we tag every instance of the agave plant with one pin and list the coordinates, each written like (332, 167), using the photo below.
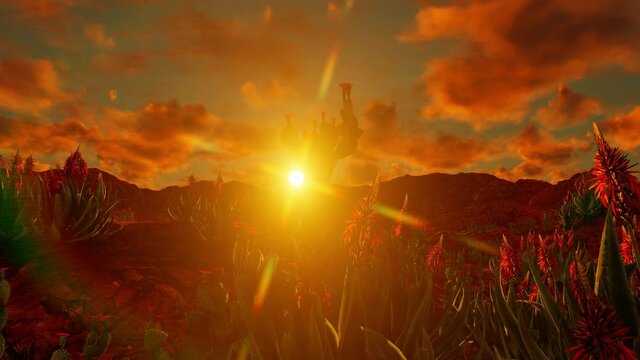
(75, 211)
(580, 206)
(211, 217)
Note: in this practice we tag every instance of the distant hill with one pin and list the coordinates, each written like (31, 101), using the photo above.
(449, 202)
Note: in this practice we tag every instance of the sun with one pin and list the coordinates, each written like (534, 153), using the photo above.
(296, 178)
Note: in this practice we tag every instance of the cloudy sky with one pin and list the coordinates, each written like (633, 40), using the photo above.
(155, 90)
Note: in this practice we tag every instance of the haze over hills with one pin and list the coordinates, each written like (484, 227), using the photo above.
(449, 202)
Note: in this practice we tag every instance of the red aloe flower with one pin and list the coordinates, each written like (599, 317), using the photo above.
(615, 184)
(310, 288)
(434, 259)
(579, 283)
(563, 241)
(28, 165)
(54, 182)
(547, 262)
(510, 262)
(626, 246)
(527, 289)
(600, 333)
(1, 162)
(400, 230)
(16, 164)
(75, 167)
(360, 237)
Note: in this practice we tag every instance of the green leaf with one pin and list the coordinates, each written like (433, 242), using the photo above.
(333, 332)
(425, 351)
(346, 304)
(617, 285)
(380, 348)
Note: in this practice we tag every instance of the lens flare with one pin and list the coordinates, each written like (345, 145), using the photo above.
(265, 282)
(327, 75)
(296, 178)
(399, 216)
(479, 245)
(243, 352)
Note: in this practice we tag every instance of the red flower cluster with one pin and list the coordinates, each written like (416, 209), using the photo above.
(75, 168)
(28, 166)
(615, 183)
(510, 262)
(435, 258)
(564, 241)
(16, 164)
(528, 289)
(579, 283)
(361, 237)
(309, 289)
(54, 182)
(600, 333)
(626, 245)
(547, 262)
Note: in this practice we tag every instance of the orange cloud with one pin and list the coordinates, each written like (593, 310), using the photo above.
(40, 9)
(624, 130)
(513, 51)
(162, 137)
(45, 137)
(387, 140)
(29, 86)
(96, 35)
(127, 62)
(267, 14)
(138, 146)
(259, 97)
(543, 156)
(267, 45)
(567, 108)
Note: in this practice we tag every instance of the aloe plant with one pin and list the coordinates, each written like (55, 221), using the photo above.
(73, 211)
(211, 217)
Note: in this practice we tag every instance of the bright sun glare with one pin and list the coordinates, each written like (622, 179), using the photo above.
(296, 178)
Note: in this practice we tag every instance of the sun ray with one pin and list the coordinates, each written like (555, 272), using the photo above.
(327, 75)
(399, 216)
(265, 283)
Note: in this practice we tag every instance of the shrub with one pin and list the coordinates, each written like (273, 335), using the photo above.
(71, 208)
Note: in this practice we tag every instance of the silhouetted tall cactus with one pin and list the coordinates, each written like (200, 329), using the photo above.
(321, 150)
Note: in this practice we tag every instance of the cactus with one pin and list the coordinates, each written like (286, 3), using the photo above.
(61, 353)
(98, 339)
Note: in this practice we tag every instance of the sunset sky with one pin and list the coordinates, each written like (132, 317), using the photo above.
(153, 91)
